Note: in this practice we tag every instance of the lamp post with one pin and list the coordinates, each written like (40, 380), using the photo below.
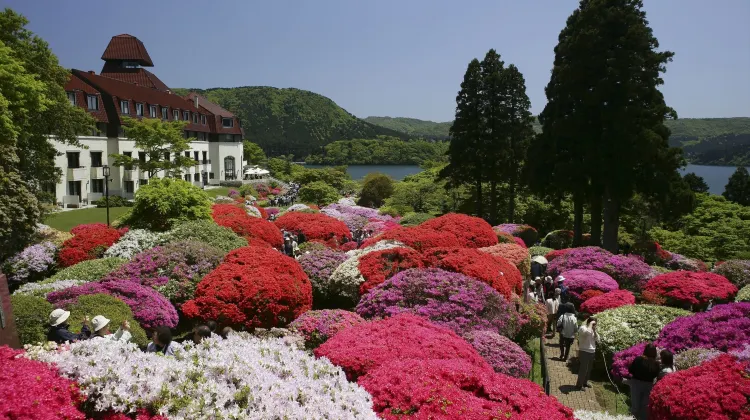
(105, 171)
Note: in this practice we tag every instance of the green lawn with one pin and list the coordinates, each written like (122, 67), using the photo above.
(213, 192)
(66, 220)
(532, 348)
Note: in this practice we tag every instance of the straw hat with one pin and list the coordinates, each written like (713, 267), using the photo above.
(99, 322)
(58, 316)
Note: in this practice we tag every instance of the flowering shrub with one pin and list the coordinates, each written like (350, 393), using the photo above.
(516, 254)
(416, 237)
(610, 300)
(557, 253)
(693, 357)
(558, 239)
(91, 270)
(45, 233)
(743, 295)
(622, 359)
(413, 219)
(625, 326)
(472, 232)
(43, 289)
(579, 281)
(112, 308)
(501, 353)
(253, 287)
(718, 389)
(318, 326)
(685, 288)
(503, 237)
(207, 232)
(362, 348)
(539, 251)
(239, 377)
(348, 246)
(452, 300)
(593, 415)
(31, 316)
(680, 262)
(32, 264)
(149, 307)
(133, 242)
(88, 242)
(651, 252)
(629, 271)
(725, 327)
(501, 275)
(736, 271)
(298, 207)
(319, 266)
(248, 227)
(377, 267)
(520, 242)
(314, 226)
(528, 234)
(531, 319)
(455, 389)
(588, 294)
(33, 390)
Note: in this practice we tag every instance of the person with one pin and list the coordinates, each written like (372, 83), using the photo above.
(567, 325)
(295, 249)
(644, 369)
(58, 330)
(288, 249)
(552, 304)
(200, 333)
(531, 294)
(226, 331)
(667, 364)
(564, 296)
(549, 287)
(301, 238)
(587, 338)
(100, 324)
(162, 342)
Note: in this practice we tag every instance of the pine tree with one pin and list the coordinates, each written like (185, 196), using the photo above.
(696, 183)
(738, 187)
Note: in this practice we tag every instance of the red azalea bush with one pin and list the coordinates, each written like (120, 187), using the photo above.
(351, 245)
(235, 218)
(613, 299)
(514, 253)
(557, 253)
(455, 389)
(33, 390)
(88, 243)
(588, 294)
(499, 273)
(314, 226)
(364, 347)
(377, 267)
(253, 287)
(717, 389)
(416, 237)
(472, 232)
(503, 237)
(682, 288)
(651, 252)
(263, 212)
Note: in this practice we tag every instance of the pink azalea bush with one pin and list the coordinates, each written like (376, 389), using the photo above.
(501, 353)
(316, 327)
(725, 327)
(622, 360)
(736, 271)
(629, 271)
(579, 281)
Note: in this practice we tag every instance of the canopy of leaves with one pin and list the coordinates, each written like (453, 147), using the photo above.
(253, 153)
(376, 187)
(318, 193)
(414, 127)
(381, 151)
(163, 142)
(162, 203)
(738, 188)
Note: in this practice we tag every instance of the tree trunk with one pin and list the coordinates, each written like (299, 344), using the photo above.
(511, 200)
(611, 222)
(493, 202)
(478, 184)
(596, 220)
(577, 219)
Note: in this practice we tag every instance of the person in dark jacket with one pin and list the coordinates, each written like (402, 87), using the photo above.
(644, 369)
(162, 342)
(58, 330)
(301, 238)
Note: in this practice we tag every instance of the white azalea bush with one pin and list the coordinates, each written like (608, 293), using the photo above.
(252, 211)
(133, 242)
(595, 415)
(43, 289)
(625, 326)
(298, 207)
(240, 377)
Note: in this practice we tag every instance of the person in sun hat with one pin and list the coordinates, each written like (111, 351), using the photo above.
(58, 330)
(564, 296)
(100, 325)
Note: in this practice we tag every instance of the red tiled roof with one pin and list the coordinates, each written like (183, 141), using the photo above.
(214, 121)
(138, 76)
(210, 106)
(82, 89)
(127, 47)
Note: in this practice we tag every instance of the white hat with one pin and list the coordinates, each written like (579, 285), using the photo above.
(99, 322)
(561, 279)
(58, 316)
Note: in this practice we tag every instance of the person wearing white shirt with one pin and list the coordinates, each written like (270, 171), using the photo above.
(567, 325)
(587, 338)
(100, 325)
(552, 304)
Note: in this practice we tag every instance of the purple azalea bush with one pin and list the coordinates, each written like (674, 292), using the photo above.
(578, 281)
(629, 271)
(736, 271)
(34, 263)
(622, 360)
(149, 307)
(319, 265)
(316, 327)
(501, 353)
(725, 327)
(509, 228)
(694, 357)
(743, 355)
(452, 300)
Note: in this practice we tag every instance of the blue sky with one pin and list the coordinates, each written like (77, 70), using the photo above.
(390, 57)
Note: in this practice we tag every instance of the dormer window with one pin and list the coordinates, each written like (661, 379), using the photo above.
(164, 113)
(130, 64)
(93, 102)
(227, 122)
(139, 110)
(195, 118)
(124, 107)
(71, 97)
(152, 111)
(203, 119)
(176, 114)
(186, 115)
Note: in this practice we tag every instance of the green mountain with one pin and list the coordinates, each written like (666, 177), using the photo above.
(413, 126)
(291, 121)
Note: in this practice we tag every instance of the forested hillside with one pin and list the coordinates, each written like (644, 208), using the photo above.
(381, 151)
(413, 126)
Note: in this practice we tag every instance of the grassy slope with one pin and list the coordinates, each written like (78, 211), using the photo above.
(66, 220)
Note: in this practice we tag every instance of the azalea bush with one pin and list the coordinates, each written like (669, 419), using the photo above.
(597, 415)
(316, 327)
(610, 300)
(413, 219)
(528, 234)
(743, 295)
(33, 390)
(88, 242)
(207, 232)
(45, 233)
(91, 270)
(579, 281)
(630, 272)
(319, 266)
(531, 320)
(558, 239)
(452, 300)
(31, 314)
(625, 326)
(32, 264)
(364, 347)
(133, 242)
(588, 294)
(471, 232)
(693, 357)
(313, 246)
(248, 227)
(680, 262)
(377, 267)
(516, 254)
(239, 377)
(687, 288)
(417, 238)
(43, 289)
(504, 237)
(554, 254)
(725, 327)
(253, 287)
(315, 226)
(535, 251)
(501, 353)
(736, 271)
(110, 307)
(718, 389)
(622, 359)
(651, 252)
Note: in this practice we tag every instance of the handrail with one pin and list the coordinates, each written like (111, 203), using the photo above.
(543, 361)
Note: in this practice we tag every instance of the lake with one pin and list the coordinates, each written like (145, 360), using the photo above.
(715, 176)
(397, 172)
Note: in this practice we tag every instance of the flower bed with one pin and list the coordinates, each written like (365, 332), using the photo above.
(248, 227)
(253, 287)
(629, 271)
(455, 389)
(558, 239)
(362, 348)
(314, 226)
(416, 237)
(32, 264)
(452, 300)
(501, 275)
(588, 294)
(132, 243)
(719, 389)
(535, 251)
(686, 359)
(319, 266)
(33, 390)
(611, 300)
(377, 267)
(579, 281)
(736, 271)
(552, 255)
(88, 242)
(528, 234)
(501, 353)
(471, 232)
(516, 254)
(743, 295)
(725, 327)
(685, 288)
(680, 262)
(207, 232)
(316, 327)
(625, 326)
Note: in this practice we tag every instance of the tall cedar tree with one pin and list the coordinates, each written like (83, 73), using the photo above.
(605, 114)
(494, 127)
(738, 187)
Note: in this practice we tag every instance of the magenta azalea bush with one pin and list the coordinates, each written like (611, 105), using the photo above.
(34, 263)
(629, 271)
(579, 281)
(149, 307)
(725, 327)
(501, 353)
(316, 327)
(319, 265)
(452, 300)
(622, 360)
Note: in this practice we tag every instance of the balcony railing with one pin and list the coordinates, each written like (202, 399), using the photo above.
(97, 172)
(203, 162)
(78, 174)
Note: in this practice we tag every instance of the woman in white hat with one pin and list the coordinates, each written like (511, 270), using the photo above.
(101, 329)
(58, 330)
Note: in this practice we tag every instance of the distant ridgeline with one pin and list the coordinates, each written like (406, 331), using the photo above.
(380, 151)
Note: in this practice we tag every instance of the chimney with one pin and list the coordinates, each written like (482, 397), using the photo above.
(195, 98)
(92, 72)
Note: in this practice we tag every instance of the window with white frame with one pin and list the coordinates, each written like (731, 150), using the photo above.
(164, 113)
(125, 107)
(92, 102)
(152, 111)
(203, 119)
(97, 185)
(129, 186)
(176, 114)
(71, 97)
(195, 118)
(186, 115)
(227, 122)
(139, 110)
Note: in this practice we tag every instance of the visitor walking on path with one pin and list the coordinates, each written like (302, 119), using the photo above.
(567, 325)
(587, 338)
(644, 369)
(552, 304)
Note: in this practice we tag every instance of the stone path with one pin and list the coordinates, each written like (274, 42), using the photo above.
(563, 380)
